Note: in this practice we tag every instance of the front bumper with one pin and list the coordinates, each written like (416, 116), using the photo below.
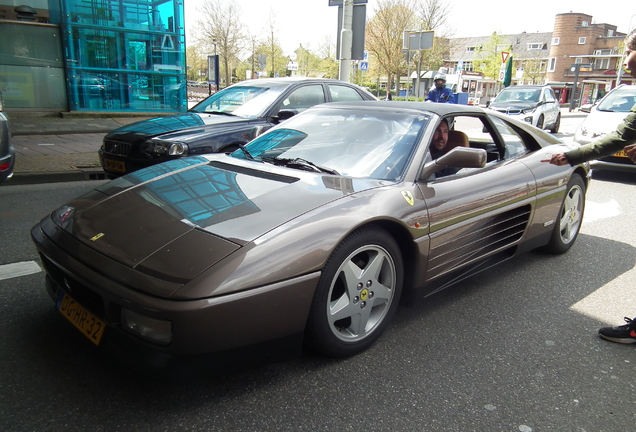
(210, 325)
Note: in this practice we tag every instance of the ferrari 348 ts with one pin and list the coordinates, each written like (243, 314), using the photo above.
(309, 234)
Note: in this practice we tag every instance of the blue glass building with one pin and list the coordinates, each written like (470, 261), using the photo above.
(94, 55)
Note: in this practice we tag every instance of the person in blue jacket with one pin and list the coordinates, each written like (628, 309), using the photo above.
(440, 93)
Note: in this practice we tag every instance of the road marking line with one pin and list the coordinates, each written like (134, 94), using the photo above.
(598, 211)
(13, 270)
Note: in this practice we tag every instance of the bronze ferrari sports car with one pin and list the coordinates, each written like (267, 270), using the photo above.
(311, 233)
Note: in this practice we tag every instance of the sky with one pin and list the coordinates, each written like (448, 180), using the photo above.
(311, 22)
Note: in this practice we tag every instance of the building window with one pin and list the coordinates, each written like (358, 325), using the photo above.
(601, 63)
(601, 52)
(535, 46)
(578, 60)
(582, 40)
(552, 65)
(610, 32)
(471, 49)
(585, 24)
(556, 40)
(468, 66)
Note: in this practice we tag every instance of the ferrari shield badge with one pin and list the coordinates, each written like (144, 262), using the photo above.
(408, 197)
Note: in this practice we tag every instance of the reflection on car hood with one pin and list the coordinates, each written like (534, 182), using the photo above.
(603, 121)
(502, 106)
(177, 123)
(151, 219)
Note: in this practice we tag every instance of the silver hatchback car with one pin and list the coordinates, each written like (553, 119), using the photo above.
(7, 152)
(536, 105)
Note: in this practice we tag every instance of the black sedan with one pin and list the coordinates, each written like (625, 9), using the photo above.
(220, 123)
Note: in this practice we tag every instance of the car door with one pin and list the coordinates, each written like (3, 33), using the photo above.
(479, 212)
(551, 107)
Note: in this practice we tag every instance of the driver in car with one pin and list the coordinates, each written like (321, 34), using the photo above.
(438, 147)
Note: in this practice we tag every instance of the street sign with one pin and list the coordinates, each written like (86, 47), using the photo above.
(416, 41)
(364, 66)
(293, 66)
(504, 56)
(339, 2)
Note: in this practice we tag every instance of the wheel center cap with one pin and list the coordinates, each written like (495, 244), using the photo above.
(364, 294)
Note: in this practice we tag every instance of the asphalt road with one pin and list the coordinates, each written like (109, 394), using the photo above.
(513, 349)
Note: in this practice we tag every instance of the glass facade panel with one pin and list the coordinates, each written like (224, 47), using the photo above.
(125, 55)
(31, 66)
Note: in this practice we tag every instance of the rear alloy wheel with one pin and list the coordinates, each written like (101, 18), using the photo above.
(568, 225)
(357, 294)
(540, 122)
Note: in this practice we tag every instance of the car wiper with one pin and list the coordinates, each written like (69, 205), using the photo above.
(246, 152)
(221, 113)
(299, 163)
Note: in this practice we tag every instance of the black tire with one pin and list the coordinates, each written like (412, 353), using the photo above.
(357, 294)
(557, 124)
(540, 122)
(568, 223)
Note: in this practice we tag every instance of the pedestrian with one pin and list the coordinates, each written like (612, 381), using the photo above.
(440, 93)
(388, 95)
(623, 138)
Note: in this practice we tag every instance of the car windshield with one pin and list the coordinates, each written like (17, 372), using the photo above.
(618, 101)
(518, 95)
(249, 101)
(347, 142)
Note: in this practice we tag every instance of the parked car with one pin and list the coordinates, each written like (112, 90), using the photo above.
(536, 105)
(7, 152)
(219, 123)
(603, 118)
(312, 232)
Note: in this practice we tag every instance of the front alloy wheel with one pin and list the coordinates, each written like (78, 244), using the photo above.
(357, 294)
(568, 225)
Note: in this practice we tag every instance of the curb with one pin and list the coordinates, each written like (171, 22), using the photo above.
(27, 178)
(24, 132)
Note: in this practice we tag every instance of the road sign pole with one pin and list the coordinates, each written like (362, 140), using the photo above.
(346, 38)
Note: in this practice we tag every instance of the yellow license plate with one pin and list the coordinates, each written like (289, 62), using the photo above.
(115, 165)
(91, 326)
(621, 154)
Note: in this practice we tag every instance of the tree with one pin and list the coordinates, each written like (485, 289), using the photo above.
(488, 58)
(220, 29)
(196, 61)
(384, 35)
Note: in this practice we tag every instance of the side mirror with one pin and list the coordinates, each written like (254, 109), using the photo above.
(586, 108)
(459, 157)
(284, 115)
(487, 104)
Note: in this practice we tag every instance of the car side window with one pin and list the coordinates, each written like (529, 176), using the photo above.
(548, 96)
(513, 142)
(304, 97)
(342, 93)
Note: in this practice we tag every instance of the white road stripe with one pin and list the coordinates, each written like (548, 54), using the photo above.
(598, 211)
(23, 268)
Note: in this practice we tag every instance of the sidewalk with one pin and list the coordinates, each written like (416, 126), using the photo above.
(54, 149)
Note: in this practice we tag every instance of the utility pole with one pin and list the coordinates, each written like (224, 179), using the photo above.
(346, 40)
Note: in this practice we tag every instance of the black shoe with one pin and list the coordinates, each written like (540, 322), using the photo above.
(625, 334)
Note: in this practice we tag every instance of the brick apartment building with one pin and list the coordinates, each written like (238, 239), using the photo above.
(577, 51)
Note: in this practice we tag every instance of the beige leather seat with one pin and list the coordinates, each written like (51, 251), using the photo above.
(456, 139)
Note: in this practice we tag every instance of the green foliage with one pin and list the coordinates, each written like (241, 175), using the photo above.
(488, 57)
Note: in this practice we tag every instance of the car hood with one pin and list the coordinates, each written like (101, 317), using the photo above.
(513, 106)
(152, 220)
(603, 121)
(175, 126)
